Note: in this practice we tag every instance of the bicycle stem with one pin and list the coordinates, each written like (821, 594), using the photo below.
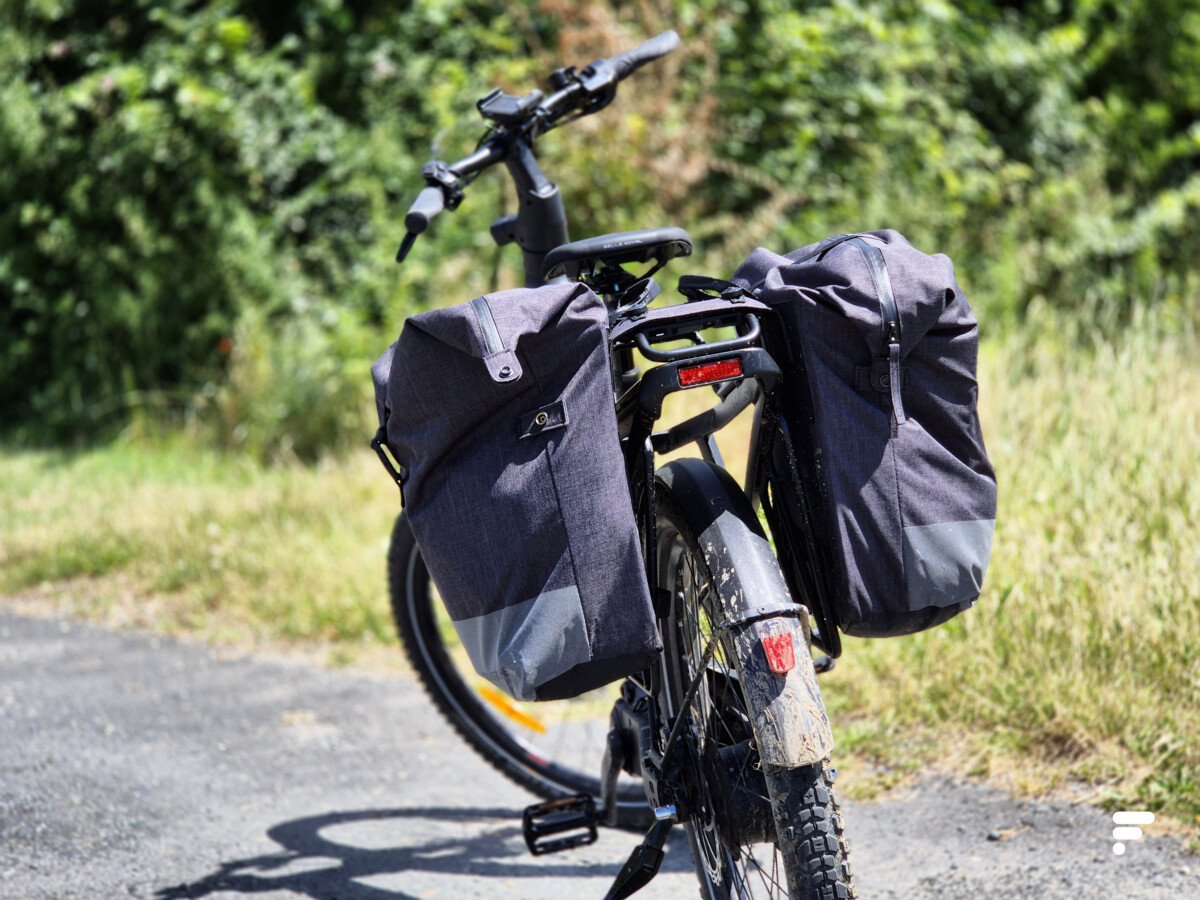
(541, 219)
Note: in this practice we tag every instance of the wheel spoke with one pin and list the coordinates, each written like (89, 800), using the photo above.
(706, 708)
(550, 748)
(713, 708)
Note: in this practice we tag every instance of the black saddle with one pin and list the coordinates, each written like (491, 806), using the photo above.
(583, 257)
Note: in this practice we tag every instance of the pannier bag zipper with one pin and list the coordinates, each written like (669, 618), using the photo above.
(890, 316)
(491, 334)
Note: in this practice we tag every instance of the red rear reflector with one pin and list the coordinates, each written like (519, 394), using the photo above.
(709, 372)
(781, 652)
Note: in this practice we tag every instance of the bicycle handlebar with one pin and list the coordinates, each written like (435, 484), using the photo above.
(428, 204)
(524, 119)
(629, 61)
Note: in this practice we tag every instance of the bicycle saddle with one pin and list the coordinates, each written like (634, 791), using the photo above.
(658, 244)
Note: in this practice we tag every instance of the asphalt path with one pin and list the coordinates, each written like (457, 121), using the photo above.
(134, 766)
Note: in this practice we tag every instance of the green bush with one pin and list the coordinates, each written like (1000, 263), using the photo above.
(180, 175)
(164, 173)
(1050, 150)
(177, 176)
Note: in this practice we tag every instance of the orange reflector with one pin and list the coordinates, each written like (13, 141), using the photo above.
(781, 652)
(709, 372)
(505, 707)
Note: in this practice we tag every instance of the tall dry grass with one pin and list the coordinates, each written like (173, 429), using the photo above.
(1081, 660)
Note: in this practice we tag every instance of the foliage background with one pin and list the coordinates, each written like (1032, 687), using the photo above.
(199, 205)
(200, 199)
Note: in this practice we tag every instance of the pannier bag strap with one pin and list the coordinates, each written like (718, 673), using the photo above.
(701, 287)
(502, 363)
(826, 245)
(890, 317)
(378, 443)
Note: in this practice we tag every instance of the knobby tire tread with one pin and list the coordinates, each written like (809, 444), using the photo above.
(816, 856)
(820, 849)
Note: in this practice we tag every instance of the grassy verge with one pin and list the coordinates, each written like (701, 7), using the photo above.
(1081, 662)
(179, 540)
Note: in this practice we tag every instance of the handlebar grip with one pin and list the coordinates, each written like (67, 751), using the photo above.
(625, 63)
(428, 204)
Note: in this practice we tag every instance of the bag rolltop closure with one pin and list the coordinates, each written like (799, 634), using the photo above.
(889, 314)
(502, 365)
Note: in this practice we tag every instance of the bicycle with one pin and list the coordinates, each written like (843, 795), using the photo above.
(727, 733)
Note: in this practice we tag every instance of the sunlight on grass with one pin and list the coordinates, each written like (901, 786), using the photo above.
(1082, 655)
(1081, 660)
(181, 539)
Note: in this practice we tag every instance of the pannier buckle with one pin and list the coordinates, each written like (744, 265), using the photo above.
(700, 287)
(378, 443)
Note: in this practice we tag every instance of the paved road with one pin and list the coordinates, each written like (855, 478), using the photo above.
(137, 767)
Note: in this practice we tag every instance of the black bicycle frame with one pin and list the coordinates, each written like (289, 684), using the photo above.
(541, 221)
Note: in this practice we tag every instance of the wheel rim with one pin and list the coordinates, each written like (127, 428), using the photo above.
(562, 753)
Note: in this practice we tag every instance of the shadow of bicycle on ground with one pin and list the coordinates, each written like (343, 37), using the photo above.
(339, 855)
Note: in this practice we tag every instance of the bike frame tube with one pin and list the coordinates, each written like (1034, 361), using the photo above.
(541, 219)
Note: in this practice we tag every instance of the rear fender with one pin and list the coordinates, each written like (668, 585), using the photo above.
(788, 717)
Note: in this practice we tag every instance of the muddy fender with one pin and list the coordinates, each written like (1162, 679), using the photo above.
(790, 724)
(788, 717)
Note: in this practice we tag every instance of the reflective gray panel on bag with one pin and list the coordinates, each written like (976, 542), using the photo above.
(500, 412)
(520, 647)
(944, 564)
(895, 496)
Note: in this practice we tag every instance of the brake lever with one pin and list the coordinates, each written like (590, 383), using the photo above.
(599, 82)
(405, 246)
(438, 174)
(447, 186)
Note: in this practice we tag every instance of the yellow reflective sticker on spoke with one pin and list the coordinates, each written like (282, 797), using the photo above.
(506, 708)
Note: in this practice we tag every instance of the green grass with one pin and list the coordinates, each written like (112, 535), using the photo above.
(1081, 661)
(177, 539)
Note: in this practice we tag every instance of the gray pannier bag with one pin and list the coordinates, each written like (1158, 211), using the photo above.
(891, 485)
(500, 412)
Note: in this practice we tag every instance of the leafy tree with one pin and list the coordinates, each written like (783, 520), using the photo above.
(201, 197)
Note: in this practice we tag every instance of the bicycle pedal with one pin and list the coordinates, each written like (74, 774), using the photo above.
(543, 821)
(823, 664)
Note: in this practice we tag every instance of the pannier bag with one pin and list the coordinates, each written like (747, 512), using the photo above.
(880, 401)
(500, 412)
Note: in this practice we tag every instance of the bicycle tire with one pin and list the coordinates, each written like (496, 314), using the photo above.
(800, 852)
(415, 609)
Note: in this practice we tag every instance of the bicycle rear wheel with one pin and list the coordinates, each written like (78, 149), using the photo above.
(553, 749)
(754, 833)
